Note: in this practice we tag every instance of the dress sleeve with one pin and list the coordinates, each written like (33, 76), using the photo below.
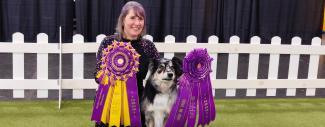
(152, 50)
(103, 44)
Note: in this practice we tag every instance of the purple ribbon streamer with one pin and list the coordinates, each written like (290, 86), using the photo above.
(204, 116)
(192, 106)
(176, 117)
(133, 100)
(99, 102)
(211, 101)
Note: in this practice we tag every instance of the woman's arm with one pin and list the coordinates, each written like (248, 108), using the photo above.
(151, 50)
(107, 41)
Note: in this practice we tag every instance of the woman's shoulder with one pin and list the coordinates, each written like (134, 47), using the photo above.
(111, 37)
(147, 42)
(150, 48)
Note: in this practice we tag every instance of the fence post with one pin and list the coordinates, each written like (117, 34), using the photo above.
(42, 65)
(149, 37)
(99, 39)
(213, 75)
(313, 66)
(18, 65)
(169, 39)
(273, 66)
(253, 66)
(191, 40)
(293, 66)
(232, 66)
(78, 67)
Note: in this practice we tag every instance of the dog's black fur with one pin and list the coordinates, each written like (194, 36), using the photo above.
(163, 75)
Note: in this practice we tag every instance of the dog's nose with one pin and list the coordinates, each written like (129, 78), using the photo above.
(170, 75)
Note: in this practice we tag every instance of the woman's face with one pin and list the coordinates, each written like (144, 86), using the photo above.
(133, 25)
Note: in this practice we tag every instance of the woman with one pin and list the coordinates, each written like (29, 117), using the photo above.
(130, 28)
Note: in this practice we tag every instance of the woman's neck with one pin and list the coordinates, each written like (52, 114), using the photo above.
(130, 38)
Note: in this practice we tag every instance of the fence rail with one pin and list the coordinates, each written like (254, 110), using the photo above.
(78, 84)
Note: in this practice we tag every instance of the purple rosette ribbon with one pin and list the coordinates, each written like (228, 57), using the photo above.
(195, 90)
(119, 61)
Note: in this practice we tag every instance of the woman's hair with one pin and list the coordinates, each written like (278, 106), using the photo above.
(138, 10)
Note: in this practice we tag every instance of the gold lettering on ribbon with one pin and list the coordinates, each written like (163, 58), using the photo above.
(191, 109)
(181, 108)
(206, 106)
(133, 106)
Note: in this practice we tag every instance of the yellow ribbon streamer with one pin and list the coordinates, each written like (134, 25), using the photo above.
(115, 111)
(107, 105)
(117, 108)
(126, 113)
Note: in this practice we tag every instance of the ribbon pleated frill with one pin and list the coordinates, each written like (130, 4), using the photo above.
(195, 91)
(117, 100)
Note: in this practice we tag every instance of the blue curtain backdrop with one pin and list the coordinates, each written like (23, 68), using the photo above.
(202, 18)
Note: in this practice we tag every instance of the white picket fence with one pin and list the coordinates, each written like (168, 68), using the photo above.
(42, 84)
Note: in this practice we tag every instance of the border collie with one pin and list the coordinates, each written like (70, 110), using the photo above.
(160, 91)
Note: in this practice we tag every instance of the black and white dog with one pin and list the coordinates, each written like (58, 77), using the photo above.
(160, 90)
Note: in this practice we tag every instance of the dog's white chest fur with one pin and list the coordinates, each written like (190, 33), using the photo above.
(160, 103)
(161, 107)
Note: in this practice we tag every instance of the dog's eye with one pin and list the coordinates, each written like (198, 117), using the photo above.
(160, 66)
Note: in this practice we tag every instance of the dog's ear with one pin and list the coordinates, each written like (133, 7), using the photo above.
(150, 68)
(178, 63)
(153, 63)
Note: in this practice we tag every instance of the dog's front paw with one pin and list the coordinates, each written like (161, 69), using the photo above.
(150, 123)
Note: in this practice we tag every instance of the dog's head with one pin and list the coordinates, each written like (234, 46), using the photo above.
(164, 74)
